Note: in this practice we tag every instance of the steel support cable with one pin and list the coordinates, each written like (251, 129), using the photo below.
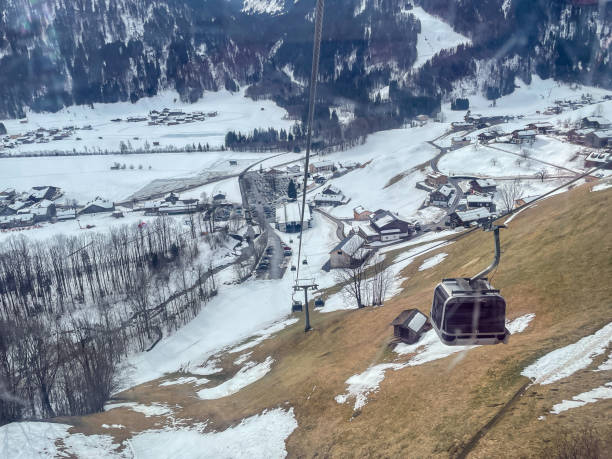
(316, 49)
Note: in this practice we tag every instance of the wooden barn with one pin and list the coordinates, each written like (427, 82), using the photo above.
(410, 325)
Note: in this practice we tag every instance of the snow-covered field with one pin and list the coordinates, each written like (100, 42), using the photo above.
(435, 36)
(235, 112)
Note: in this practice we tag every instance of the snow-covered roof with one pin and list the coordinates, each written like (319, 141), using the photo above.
(290, 212)
(446, 190)
(359, 209)
(598, 119)
(485, 183)
(103, 203)
(321, 164)
(350, 245)
(417, 321)
(39, 194)
(526, 133)
(473, 214)
(331, 189)
(329, 197)
(473, 198)
(603, 134)
(384, 220)
(366, 229)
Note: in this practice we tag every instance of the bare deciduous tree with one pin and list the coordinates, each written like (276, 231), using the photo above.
(509, 192)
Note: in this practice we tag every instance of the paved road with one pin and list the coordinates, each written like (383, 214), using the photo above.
(339, 225)
(453, 181)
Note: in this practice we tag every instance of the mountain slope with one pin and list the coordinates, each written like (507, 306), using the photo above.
(555, 256)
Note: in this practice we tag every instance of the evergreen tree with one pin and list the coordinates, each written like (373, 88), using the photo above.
(291, 190)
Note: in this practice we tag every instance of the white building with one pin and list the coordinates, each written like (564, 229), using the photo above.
(288, 217)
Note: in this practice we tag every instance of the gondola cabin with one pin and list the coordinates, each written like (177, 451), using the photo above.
(467, 312)
(410, 325)
(296, 306)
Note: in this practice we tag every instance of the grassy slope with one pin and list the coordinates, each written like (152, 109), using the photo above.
(556, 262)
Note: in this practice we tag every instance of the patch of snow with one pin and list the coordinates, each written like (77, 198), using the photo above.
(210, 368)
(607, 365)
(435, 36)
(564, 362)
(243, 358)
(427, 349)
(259, 436)
(601, 186)
(248, 374)
(433, 261)
(43, 440)
(263, 6)
(263, 335)
(519, 324)
(155, 409)
(113, 426)
(362, 384)
(592, 396)
(185, 380)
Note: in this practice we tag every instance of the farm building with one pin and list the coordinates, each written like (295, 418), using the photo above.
(483, 185)
(16, 221)
(322, 199)
(458, 142)
(475, 200)
(361, 213)
(288, 217)
(38, 193)
(436, 179)
(65, 214)
(97, 206)
(389, 226)
(321, 166)
(596, 159)
(599, 139)
(469, 217)
(349, 253)
(578, 135)
(442, 196)
(366, 231)
(524, 136)
(410, 325)
(596, 122)
(541, 128)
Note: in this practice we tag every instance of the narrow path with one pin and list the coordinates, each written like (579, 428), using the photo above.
(339, 225)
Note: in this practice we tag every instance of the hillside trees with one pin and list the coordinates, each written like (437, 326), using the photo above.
(70, 310)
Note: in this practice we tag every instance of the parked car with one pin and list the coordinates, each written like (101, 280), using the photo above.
(288, 253)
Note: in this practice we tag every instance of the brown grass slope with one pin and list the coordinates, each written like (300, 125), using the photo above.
(556, 263)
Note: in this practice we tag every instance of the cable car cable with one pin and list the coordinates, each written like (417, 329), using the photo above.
(316, 49)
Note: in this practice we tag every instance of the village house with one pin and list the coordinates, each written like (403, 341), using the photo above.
(322, 199)
(410, 325)
(541, 128)
(65, 214)
(461, 126)
(349, 253)
(288, 217)
(596, 122)
(389, 226)
(366, 231)
(425, 187)
(458, 142)
(470, 217)
(474, 201)
(171, 197)
(596, 159)
(38, 193)
(436, 179)
(16, 221)
(97, 206)
(578, 135)
(486, 137)
(442, 196)
(321, 166)
(483, 185)
(361, 214)
(599, 139)
(523, 136)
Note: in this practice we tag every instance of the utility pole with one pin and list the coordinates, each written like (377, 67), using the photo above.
(305, 284)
